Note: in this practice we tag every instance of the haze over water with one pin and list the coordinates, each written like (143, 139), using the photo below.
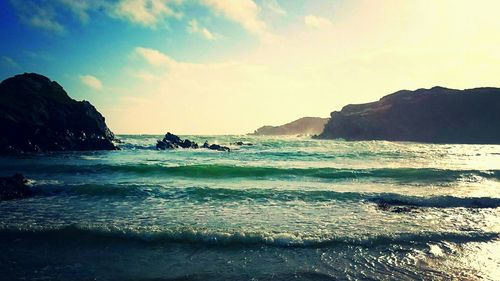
(282, 209)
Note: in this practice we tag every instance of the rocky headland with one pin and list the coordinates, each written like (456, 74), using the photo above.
(36, 115)
(436, 115)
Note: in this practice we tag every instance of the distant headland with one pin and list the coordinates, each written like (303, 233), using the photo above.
(302, 126)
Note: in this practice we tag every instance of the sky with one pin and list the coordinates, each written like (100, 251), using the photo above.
(231, 66)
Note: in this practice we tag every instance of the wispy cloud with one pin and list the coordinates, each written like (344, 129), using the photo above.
(38, 14)
(274, 6)
(154, 57)
(10, 62)
(195, 27)
(91, 81)
(38, 55)
(49, 15)
(244, 12)
(317, 22)
(145, 12)
(80, 8)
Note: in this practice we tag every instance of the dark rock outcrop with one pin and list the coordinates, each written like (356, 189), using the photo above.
(436, 115)
(171, 141)
(36, 114)
(14, 187)
(206, 145)
(302, 126)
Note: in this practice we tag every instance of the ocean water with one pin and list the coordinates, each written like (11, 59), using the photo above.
(281, 209)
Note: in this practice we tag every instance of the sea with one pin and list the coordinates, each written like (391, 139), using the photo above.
(283, 208)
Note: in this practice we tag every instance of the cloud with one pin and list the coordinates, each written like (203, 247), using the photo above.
(91, 81)
(164, 64)
(274, 6)
(317, 22)
(243, 12)
(145, 12)
(38, 55)
(194, 27)
(154, 57)
(80, 8)
(47, 14)
(9, 62)
(38, 14)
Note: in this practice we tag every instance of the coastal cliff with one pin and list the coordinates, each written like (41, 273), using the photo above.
(36, 114)
(302, 126)
(436, 115)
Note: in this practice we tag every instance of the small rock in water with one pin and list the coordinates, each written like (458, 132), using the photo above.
(384, 206)
(163, 145)
(206, 145)
(172, 138)
(189, 144)
(218, 147)
(14, 187)
(240, 143)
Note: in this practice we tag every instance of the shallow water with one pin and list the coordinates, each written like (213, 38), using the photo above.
(281, 209)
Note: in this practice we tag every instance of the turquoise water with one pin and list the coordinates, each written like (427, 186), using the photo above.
(282, 209)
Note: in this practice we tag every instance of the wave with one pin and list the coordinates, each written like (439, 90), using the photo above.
(227, 171)
(235, 238)
(202, 194)
(435, 201)
(198, 193)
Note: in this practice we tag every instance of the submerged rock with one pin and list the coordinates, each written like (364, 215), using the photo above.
(240, 143)
(14, 187)
(383, 206)
(171, 141)
(218, 147)
(36, 114)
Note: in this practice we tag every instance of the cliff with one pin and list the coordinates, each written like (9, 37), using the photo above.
(437, 115)
(302, 126)
(36, 114)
